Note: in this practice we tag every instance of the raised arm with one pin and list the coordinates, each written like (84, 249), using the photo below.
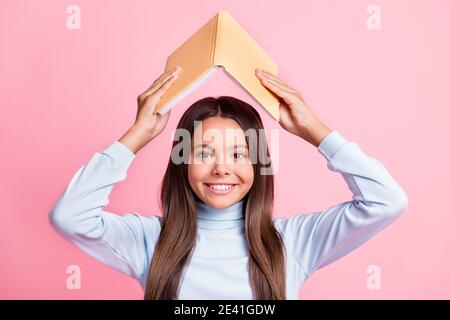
(118, 241)
(319, 238)
(124, 242)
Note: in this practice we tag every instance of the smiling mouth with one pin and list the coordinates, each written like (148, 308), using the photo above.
(220, 189)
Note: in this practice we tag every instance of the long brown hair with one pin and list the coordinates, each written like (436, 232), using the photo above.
(178, 235)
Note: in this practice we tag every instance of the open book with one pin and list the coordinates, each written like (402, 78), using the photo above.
(221, 42)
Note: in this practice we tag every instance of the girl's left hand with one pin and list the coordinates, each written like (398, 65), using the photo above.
(295, 115)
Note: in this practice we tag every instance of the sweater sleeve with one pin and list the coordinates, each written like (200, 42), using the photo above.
(317, 239)
(118, 241)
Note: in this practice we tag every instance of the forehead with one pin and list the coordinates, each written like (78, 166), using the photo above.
(219, 130)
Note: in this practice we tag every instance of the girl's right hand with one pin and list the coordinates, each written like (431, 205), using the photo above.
(146, 116)
(148, 123)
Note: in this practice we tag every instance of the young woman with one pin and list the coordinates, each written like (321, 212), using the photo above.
(216, 238)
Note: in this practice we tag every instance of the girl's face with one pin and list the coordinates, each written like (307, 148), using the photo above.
(220, 171)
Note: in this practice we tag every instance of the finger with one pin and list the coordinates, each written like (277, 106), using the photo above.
(284, 114)
(266, 75)
(280, 85)
(164, 76)
(149, 96)
(163, 88)
(152, 98)
(160, 79)
(287, 96)
(161, 83)
(165, 117)
(262, 74)
(177, 67)
(162, 120)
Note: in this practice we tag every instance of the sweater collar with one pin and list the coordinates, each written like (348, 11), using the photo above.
(224, 218)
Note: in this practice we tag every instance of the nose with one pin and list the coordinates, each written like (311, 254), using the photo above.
(221, 169)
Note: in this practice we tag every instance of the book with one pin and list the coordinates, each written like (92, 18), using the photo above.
(220, 43)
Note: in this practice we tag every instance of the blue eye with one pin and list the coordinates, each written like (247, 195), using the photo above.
(201, 153)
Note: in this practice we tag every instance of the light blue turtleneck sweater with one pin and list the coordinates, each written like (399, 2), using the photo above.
(219, 266)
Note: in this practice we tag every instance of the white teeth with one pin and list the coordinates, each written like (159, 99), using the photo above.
(220, 187)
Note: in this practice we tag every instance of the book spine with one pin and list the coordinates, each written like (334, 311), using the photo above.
(214, 41)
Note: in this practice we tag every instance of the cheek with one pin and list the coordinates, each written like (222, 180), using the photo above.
(196, 173)
(245, 174)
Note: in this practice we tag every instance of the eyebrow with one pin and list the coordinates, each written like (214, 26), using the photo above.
(208, 146)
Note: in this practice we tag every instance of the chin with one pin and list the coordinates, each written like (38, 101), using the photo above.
(220, 203)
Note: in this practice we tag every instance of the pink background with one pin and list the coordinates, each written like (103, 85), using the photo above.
(65, 94)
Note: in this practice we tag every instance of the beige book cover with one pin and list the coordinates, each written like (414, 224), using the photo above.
(220, 43)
